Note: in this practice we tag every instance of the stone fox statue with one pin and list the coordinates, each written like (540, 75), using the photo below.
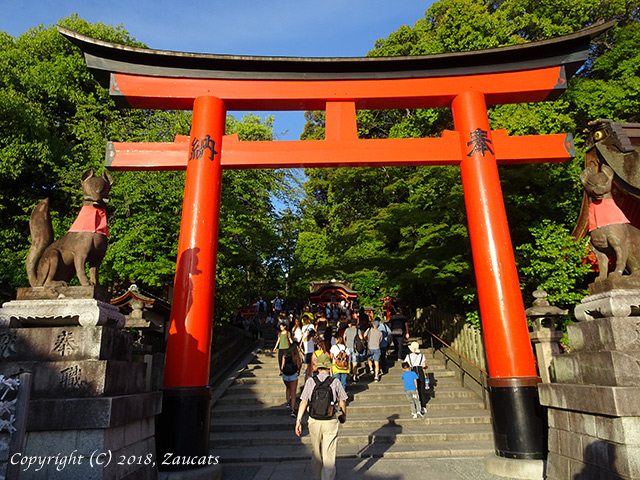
(609, 228)
(52, 263)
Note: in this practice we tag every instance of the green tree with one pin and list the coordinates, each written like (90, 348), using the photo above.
(406, 229)
(55, 121)
(555, 262)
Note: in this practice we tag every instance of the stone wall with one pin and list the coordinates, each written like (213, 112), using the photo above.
(594, 398)
(89, 414)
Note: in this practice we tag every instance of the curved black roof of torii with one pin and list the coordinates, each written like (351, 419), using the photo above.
(104, 58)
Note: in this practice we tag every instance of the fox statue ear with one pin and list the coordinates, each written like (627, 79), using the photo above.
(87, 174)
(607, 170)
(107, 177)
(585, 175)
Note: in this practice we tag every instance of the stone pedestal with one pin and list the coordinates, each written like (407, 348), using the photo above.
(594, 404)
(90, 416)
(44, 313)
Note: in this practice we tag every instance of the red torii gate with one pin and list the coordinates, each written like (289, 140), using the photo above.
(467, 82)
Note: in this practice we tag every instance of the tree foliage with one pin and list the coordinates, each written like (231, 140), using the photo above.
(555, 262)
(55, 121)
(403, 230)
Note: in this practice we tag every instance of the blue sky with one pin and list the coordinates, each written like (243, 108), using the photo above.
(325, 28)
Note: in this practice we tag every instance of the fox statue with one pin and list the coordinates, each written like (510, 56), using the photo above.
(52, 263)
(610, 231)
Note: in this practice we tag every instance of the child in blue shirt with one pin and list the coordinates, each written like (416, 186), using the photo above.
(410, 379)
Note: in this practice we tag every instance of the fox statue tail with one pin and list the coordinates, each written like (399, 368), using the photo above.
(41, 237)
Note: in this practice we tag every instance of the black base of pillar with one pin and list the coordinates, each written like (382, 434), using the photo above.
(182, 429)
(519, 421)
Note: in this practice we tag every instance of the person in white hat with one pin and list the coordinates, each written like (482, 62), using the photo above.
(418, 364)
(323, 430)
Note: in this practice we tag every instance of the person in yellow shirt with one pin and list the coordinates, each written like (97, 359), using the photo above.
(306, 316)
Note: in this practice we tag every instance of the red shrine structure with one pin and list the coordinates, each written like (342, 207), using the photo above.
(323, 292)
(466, 82)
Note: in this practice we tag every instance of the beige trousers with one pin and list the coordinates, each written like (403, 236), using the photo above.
(324, 440)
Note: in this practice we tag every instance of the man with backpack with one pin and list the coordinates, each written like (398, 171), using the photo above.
(384, 345)
(374, 337)
(399, 325)
(355, 345)
(322, 393)
(261, 309)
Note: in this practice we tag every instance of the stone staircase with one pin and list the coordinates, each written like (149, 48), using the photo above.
(251, 423)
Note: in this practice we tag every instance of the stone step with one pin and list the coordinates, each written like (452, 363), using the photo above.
(251, 423)
(396, 435)
(356, 420)
(379, 395)
(266, 374)
(375, 409)
(244, 385)
(267, 352)
(268, 357)
(274, 453)
(271, 369)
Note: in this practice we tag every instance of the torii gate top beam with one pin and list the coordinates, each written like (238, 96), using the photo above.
(146, 78)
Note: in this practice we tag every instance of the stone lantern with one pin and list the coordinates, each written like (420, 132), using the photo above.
(544, 335)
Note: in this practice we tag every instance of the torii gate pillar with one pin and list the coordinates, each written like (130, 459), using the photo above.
(183, 426)
(513, 382)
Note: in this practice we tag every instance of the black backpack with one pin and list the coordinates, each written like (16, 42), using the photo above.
(321, 404)
(289, 368)
(358, 344)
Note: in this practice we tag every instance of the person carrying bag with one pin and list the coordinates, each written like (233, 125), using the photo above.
(418, 364)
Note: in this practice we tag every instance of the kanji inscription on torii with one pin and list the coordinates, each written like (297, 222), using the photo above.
(480, 142)
(466, 82)
(198, 148)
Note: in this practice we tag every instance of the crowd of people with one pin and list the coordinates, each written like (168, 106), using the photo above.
(335, 347)
(354, 344)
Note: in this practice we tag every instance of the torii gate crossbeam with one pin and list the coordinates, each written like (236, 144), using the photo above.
(467, 82)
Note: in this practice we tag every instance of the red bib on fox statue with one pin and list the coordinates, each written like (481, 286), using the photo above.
(605, 212)
(91, 219)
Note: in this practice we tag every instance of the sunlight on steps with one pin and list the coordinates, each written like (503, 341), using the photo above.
(250, 421)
